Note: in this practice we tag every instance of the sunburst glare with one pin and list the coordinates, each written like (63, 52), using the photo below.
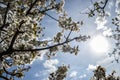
(99, 44)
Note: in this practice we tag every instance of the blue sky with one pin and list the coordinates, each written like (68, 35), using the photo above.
(82, 65)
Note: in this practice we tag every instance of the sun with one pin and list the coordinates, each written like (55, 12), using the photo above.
(99, 44)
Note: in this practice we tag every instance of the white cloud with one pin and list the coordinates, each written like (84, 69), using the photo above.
(105, 61)
(83, 76)
(37, 74)
(91, 67)
(50, 65)
(107, 32)
(107, 13)
(45, 79)
(100, 21)
(42, 53)
(110, 4)
(109, 65)
(40, 73)
(47, 39)
(117, 6)
(73, 74)
(38, 58)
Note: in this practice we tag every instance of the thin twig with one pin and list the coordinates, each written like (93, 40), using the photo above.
(52, 17)
(69, 34)
(106, 1)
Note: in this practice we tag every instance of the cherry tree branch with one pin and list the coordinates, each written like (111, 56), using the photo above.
(3, 77)
(100, 7)
(5, 16)
(13, 73)
(69, 34)
(45, 48)
(106, 1)
(10, 49)
(31, 6)
(16, 34)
